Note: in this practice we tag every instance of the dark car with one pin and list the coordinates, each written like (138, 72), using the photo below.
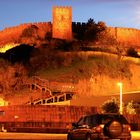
(100, 127)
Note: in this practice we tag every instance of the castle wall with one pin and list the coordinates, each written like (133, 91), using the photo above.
(11, 34)
(126, 36)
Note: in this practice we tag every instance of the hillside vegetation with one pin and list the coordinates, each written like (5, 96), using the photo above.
(91, 73)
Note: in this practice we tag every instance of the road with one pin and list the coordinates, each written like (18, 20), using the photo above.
(135, 135)
(31, 136)
(38, 136)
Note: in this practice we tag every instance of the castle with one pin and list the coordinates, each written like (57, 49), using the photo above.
(61, 28)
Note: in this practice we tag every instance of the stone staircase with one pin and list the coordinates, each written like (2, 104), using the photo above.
(49, 92)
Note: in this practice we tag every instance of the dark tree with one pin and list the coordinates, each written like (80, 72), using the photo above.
(20, 53)
(91, 21)
(91, 30)
(110, 106)
(132, 52)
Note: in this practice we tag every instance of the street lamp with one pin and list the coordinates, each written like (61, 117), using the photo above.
(121, 107)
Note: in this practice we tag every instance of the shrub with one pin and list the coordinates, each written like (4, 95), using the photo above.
(132, 52)
(110, 106)
(130, 109)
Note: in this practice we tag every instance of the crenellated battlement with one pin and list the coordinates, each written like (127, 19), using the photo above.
(24, 25)
(61, 8)
(78, 24)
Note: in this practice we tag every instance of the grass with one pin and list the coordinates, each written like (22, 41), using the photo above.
(83, 69)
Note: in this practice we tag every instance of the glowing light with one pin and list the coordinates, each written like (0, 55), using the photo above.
(6, 47)
(16, 117)
(3, 102)
(135, 134)
(121, 107)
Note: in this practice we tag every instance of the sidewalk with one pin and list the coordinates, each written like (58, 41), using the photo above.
(31, 136)
(135, 134)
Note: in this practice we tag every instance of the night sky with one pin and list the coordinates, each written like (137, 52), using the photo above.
(119, 13)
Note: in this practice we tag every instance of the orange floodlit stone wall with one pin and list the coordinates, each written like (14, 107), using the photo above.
(126, 36)
(10, 34)
(52, 116)
(62, 22)
(40, 113)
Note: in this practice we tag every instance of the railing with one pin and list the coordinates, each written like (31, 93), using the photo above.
(59, 99)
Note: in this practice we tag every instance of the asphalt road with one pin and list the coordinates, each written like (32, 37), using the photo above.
(31, 136)
(38, 136)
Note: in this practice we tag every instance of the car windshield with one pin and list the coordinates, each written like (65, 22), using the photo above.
(107, 118)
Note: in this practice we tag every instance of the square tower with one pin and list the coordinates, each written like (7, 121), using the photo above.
(62, 22)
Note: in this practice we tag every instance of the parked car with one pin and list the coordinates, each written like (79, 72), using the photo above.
(100, 127)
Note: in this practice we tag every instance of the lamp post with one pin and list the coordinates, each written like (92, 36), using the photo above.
(121, 107)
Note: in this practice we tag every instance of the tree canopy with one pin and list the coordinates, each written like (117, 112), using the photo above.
(110, 106)
(91, 31)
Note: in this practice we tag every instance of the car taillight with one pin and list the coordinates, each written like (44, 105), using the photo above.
(98, 129)
(126, 128)
(129, 128)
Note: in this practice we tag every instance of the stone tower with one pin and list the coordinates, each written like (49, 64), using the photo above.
(62, 22)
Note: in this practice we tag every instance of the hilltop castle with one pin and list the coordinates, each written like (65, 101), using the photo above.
(61, 28)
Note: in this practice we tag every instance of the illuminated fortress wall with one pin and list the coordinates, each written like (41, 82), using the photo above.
(62, 22)
(11, 34)
(126, 36)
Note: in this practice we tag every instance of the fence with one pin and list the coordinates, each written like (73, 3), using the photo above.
(49, 117)
(41, 117)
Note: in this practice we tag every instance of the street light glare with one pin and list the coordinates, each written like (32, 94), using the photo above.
(119, 84)
(121, 107)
